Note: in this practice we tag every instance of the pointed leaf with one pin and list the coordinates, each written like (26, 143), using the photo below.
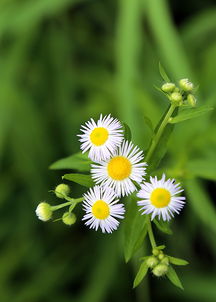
(163, 73)
(135, 229)
(190, 113)
(81, 179)
(163, 226)
(177, 261)
(173, 277)
(141, 274)
(76, 161)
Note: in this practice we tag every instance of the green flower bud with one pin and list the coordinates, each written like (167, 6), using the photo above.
(160, 270)
(62, 190)
(168, 87)
(161, 256)
(191, 100)
(151, 261)
(155, 252)
(69, 218)
(44, 211)
(176, 97)
(186, 85)
(165, 260)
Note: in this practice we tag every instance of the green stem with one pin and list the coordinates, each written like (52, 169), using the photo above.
(157, 136)
(151, 235)
(65, 204)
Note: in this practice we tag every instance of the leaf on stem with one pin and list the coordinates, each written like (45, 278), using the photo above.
(177, 261)
(141, 274)
(187, 114)
(163, 226)
(173, 277)
(163, 73)
(81, 179)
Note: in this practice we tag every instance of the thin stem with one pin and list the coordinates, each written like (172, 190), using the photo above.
(151, 235)
(157, 136)
(65, 204)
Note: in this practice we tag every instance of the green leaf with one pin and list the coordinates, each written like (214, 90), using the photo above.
(127, 132)
(135, 229)
(148, 122)
(204, 168)
(200, 202)
(187, 114)
(76, 161)
(141, 274)
(177, 261)
(173, 277)
(81, 179)
(163, 226)
(160, 247)
(163, 73)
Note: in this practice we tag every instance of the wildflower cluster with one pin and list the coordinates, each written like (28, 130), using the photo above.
(117, 169)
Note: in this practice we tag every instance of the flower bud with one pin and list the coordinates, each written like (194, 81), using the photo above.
(69, 218)
(151, 261)
(165, 260)
(155, 252)
(168, 87)
(186, 85)
(44, 211)
(161, 256)
(160, 270)
(62, 190)
(176, 97)
(191, 100)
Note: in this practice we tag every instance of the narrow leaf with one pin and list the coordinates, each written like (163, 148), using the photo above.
(204, 168)
(81, 179)
(177, 261)
(127, 132)
(163, 73)
(141, 274)
(76, 161)
(187, 114)
(163, 226)
(135, 229)
(173, 277)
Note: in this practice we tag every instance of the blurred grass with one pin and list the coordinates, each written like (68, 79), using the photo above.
(62, 62)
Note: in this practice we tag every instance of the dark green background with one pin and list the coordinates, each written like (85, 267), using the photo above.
(62, 62)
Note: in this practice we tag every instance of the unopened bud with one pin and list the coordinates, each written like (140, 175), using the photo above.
(155, 252)
(161, 256)
(151, 261)
(191, 100)
(168, 87)
(186, 85)
(69, 218)
(62, 190)
(165, 260)
(176, 97)
(44, 211)
(160, 270)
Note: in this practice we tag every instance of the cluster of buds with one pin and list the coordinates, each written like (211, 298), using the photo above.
(44, 210)
(158, 262)
(181, 94)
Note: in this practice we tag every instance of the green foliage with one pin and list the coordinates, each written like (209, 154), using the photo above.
(173, 277)
(163, 226)
(141, 274)
(81, 179)
(187, 114)
(76, 161)
(177, 261)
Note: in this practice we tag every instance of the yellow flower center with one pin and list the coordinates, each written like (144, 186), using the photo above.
(119, 168)
(100, 209)
(99, 136)
(160, 197)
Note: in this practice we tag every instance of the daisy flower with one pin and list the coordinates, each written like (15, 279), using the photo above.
(101, 138)
(102, 209)
(160, 198)
(121, 170)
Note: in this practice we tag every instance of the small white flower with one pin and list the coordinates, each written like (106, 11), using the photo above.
(44, 211)
(159, 198)
(101, 138)
(121, 170)
(102, 209)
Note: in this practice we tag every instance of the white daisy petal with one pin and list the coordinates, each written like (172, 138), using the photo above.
(102, 209)
(160, 198)
(101, 138)
(125, 167)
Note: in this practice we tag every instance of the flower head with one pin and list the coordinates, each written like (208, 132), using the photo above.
(159, 197)
(121, 170)
(44, 211)
(102, 209)
(101, 138)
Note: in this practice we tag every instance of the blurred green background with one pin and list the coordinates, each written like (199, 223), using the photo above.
(61, 62)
